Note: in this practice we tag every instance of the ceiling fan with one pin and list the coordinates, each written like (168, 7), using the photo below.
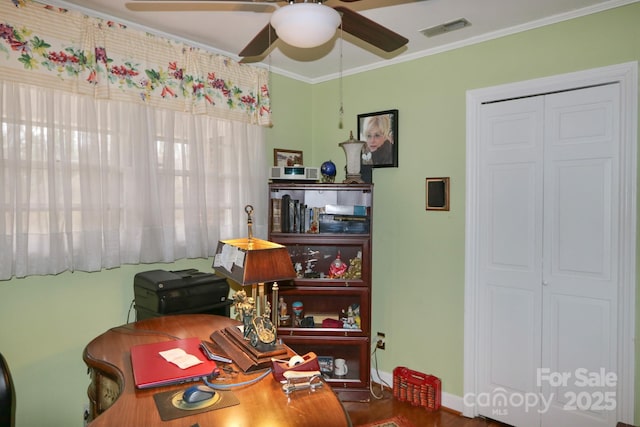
(292, 23)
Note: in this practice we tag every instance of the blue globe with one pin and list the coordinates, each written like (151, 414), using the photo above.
(328, 169)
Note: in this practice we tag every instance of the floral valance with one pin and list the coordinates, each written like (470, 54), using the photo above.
(62, 49)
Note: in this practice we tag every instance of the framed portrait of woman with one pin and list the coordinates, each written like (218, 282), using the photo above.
(379, 131)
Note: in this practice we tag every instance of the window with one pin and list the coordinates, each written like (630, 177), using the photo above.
(90, 184)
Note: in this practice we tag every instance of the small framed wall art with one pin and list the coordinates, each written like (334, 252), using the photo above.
(284, 157)
(437, 194)
(379, 131)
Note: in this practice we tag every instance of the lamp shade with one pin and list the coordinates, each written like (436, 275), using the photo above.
(250, 261)
(305, 24)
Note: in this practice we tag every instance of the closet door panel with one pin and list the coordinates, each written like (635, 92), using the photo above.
(581, 237)
(580, 352)
(582, 214)
(510, 269)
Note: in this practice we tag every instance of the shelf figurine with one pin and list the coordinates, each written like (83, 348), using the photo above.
(297, 308)
(355, 268)
(245, 309)
(337, 268)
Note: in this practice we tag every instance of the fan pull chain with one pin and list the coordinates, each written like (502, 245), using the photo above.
(269, 77)
(341, 111)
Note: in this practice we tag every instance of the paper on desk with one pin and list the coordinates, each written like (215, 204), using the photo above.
(180, 358)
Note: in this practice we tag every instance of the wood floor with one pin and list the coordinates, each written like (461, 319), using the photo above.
(380, 409)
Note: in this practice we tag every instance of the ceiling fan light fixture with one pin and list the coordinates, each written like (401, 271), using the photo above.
(305, 24)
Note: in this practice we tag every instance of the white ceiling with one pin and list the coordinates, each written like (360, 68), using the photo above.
(226, 27)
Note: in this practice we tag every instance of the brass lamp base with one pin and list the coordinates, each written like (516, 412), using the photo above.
(247, 357)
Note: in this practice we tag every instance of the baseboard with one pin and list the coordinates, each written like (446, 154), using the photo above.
(449, 402)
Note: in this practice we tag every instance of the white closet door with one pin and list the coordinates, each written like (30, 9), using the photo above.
(510, 272)
(547, 286)
(581, 198)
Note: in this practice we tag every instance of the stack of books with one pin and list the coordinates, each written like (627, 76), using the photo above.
(293, 216)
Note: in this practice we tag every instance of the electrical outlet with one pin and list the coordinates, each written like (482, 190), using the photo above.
(85, 414)
(380, 341)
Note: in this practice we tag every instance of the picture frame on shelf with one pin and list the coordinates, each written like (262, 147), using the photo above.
(286, 157)
(379, 131)
(437, 194)
(326, 364)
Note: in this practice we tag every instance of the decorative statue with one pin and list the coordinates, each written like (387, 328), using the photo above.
(259, 330)
(356, 314)
(351, 318)
(282, 307)
(337, 268)
(298, 268)
(355, 269)
(240, 299)
(245, 309)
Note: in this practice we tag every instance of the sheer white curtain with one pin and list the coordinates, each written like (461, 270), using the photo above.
(88, 184)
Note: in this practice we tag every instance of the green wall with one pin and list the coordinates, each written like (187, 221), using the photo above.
(418, 288)
(418, 273)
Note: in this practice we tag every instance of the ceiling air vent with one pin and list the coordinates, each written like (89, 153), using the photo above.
(446, 28)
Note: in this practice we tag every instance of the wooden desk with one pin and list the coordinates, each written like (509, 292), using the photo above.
(115, 401)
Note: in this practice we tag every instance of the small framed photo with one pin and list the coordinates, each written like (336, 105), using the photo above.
(380, 132)
(284, 157)
(437, 196)
(326, 364)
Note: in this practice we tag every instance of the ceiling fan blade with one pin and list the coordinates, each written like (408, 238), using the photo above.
(370, 31)
(260, 42)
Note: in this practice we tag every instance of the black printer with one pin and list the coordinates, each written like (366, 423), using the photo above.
(160, 292)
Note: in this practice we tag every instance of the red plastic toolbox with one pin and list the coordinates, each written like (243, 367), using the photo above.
(417, 388)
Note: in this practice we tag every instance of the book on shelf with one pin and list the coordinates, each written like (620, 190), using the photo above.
(347, 224)
(293, 216)
(303, 224)
(356, 210)
(307, 218)
(276, 215)
(334, 217)
(285, 213)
